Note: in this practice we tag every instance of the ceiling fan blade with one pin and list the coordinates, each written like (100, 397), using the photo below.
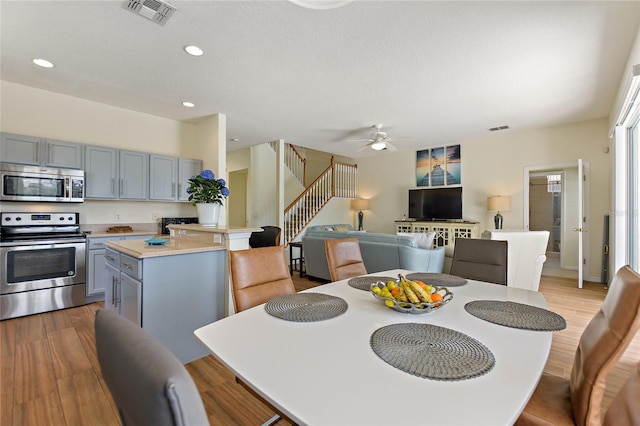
(359, 140)
(401, 139)
(363, 147)
(390, 147)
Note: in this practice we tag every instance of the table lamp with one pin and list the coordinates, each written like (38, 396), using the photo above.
(360, 205)
(497, 204)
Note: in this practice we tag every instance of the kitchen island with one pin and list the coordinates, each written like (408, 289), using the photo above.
(169, 290)
(232, 238)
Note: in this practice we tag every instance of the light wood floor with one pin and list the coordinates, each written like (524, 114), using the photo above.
(49, 373)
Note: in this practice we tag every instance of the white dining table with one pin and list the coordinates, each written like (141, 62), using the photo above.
(326, 373)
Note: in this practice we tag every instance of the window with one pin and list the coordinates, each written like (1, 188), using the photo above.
(626, 166)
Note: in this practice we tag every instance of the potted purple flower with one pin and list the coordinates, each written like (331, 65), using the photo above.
(207, 193)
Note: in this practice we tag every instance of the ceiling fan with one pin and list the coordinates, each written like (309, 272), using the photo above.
(379, 140)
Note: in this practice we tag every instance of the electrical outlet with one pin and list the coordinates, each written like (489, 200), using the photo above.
(116, 216)
(155, 216)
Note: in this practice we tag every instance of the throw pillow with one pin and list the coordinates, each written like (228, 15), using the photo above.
(341, 228)
(327, 228)
(423, 239)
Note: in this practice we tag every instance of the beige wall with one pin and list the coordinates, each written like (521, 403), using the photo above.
(492, 165)
(35, 112)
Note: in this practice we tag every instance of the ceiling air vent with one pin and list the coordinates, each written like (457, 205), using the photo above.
(155, 10)
(495, 129)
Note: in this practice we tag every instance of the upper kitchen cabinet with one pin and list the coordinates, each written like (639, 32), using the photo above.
(116, 174)
(169, 177)
(186, 169)
(35, 151)
(163, 177)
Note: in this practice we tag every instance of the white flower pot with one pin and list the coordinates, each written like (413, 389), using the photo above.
(208, 214)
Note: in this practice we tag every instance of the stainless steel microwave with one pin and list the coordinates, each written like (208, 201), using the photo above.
(41, 184)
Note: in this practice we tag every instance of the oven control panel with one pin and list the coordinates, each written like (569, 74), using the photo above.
(31, 219)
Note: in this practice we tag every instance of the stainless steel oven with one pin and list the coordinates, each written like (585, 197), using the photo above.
(43, 263)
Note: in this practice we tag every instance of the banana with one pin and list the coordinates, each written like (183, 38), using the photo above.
(410, 293)
(401, 296)
(420, 292)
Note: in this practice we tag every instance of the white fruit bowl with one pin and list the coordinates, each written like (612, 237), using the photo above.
(415, 308)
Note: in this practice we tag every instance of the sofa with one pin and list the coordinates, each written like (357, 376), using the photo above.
(526, 255)
(380, 252)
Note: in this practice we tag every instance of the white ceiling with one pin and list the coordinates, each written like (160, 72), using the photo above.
(436, 71)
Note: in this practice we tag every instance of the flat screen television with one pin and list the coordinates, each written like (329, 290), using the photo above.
(435, 204)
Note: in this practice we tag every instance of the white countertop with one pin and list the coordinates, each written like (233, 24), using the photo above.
(325, 372)
(140, 249)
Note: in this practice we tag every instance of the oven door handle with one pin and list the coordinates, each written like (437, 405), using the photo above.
(38, 243)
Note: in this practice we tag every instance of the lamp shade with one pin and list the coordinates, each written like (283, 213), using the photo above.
(499, 203)
(360, 204)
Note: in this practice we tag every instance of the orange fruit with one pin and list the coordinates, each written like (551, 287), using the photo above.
(436, 297)
(421, 284)
(395, 292)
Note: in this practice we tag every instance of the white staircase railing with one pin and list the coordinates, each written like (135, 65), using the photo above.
(294, 161)
(338, 180)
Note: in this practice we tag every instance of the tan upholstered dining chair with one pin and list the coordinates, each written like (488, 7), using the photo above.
(577, 401)
(482, 260)
(149, 385)
(344, 258)
(258, 275)
(625, 407)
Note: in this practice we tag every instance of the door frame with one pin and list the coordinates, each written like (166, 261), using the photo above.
(527, 170)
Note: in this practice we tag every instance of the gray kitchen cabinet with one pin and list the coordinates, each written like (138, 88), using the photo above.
(186, 169)
(169, 177)
(101, 172)
(163, 176)
(123, 293)
(116, 174)
(30, 150)
(168, 296)
(96, 261)
(134, 175)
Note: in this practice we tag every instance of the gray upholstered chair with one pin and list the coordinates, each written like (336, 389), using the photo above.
(578, 401)
(625, 407)
(481, 260)
(149, 385)
(344, 258)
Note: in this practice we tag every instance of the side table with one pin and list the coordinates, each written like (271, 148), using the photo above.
(296, 263)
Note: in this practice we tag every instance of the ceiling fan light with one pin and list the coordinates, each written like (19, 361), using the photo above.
(378, 146)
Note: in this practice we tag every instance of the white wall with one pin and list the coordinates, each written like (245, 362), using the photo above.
(491, 165)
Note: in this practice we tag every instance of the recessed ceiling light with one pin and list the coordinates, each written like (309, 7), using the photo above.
(194, 50)
(188, 104)
(42, 63)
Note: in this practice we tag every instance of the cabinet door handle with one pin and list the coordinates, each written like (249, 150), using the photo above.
(121, 187)
(113, 291)
(173, 189)
(179, 190)
(113, 186)
(126, 266)
(118, 289)
(111, 258)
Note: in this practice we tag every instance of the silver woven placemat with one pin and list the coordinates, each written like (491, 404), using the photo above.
(364, 283)
(440, 280)
(306, 307)
(432, 352)
(516, 315)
